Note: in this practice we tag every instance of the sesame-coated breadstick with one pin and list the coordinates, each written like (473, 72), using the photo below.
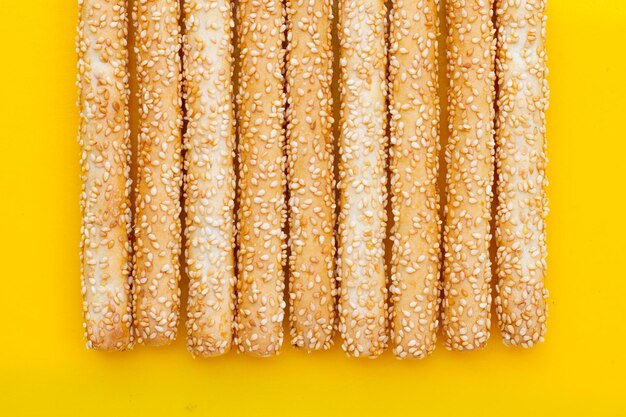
(362, 178)
(262, 180)
(159, 173)
(521, 163)
(414, 123)
(469, 155)
(105, 171)
(312, 287)
(210, 177)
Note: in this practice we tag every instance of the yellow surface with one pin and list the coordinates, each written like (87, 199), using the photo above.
(45, 370)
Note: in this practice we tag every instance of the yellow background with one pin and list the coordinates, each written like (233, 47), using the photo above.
(45, 369)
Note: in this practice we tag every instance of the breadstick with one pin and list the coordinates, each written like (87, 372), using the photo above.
(414, 123)
(105, 171)
(210, 176)
(312, 287)
(159, 173)
(362, 178)
(521, 164)
(262, 212)
(469, 155)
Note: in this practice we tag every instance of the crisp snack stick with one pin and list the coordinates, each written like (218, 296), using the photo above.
(521, 163)
(312, 286)
(416, 254)
(262, 179)
(209, 175)
(469, 179)
(159, 172)
(362, 178)
(104, 137)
